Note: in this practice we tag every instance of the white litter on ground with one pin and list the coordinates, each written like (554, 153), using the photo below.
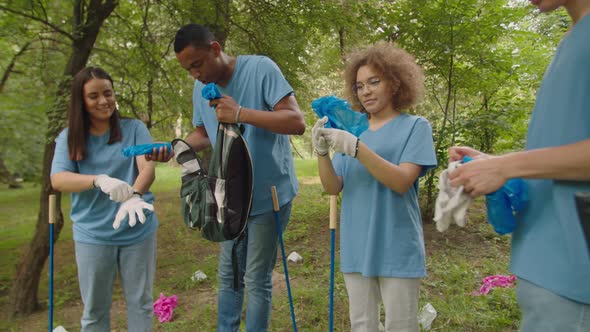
(198, 276)
(294, 257)
(426, 316)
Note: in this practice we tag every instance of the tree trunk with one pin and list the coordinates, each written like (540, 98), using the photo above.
(85, 31)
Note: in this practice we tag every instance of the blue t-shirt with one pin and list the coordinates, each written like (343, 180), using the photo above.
(257, 83)
(381, 230)
(548, 247)
(92, 211)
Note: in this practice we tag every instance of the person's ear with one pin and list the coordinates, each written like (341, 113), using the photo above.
(216, 47)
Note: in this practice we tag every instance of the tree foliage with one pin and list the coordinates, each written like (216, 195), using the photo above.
(483, 60)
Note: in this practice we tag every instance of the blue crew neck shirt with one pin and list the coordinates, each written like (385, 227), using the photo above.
(257, 83)
(92, 212)
(548, 247)
(381, 231)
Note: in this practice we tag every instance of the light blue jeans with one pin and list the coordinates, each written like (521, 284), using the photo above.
(545, 311)
(257, 255)
(97, 267)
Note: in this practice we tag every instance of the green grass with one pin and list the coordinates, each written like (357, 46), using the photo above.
(306, 167)
(457, 261)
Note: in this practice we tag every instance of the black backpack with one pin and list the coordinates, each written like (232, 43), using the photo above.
(217, 201)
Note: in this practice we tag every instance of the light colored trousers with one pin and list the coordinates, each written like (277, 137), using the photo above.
(398, 295)
(545, 311)
(97, 268)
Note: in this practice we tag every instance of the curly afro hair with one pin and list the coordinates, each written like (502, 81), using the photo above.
(397, 66)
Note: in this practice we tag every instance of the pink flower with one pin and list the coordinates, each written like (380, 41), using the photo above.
(164, 306)
(494, 281)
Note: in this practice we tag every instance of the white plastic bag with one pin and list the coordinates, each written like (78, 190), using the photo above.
(426, 316)
(198, 276)
(294, 257)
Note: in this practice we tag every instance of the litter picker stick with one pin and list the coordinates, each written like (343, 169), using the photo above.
(333, 217)
(276, 208)
(51, 222)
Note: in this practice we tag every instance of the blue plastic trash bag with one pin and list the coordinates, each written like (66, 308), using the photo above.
(138, 150)
(504, 203)
(340, 115)
(210, 92)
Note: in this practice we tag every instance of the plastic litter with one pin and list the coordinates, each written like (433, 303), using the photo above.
(427, 316)
(164, 307)
(60, 329)
(198, 276)
(294, 257)
(494, 281)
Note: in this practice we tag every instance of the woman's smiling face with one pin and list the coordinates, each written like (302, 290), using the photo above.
(99, 99)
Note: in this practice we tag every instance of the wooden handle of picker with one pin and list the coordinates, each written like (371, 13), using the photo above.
(52, 209)
(333, 211)
(275, 199)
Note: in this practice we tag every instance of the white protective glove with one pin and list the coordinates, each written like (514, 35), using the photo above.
(319, 143)
(340, 140)
(118, 191)
(131, 207)
(451, 203)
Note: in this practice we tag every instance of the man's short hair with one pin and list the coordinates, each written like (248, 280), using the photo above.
(194, 35)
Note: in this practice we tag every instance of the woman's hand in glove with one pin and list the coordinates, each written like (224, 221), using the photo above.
(131, 207)
(319, 143)
(118, 191)
(340, 140)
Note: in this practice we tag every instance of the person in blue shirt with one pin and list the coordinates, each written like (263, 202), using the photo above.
(257, 95)
(548, 253)
(382, 251)
(109, 195)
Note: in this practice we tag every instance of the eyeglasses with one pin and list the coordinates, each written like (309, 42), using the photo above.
(372, 83)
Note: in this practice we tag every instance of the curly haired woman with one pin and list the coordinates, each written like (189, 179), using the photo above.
(382, 251)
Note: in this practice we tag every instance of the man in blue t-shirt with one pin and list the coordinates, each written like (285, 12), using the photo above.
(549, 251)
(257, 95)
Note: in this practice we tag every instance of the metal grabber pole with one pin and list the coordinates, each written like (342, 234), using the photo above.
(51, 222)
(276, 208)
(333, 217)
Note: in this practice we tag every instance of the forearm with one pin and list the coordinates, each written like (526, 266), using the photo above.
(394, 177)
(330, 181)
(146, 176)
(70, 182)
(567, 162)
(198, 139)
(286, 122)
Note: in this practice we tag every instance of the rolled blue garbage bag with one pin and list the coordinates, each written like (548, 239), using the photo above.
(503, 204)
(138, 150)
